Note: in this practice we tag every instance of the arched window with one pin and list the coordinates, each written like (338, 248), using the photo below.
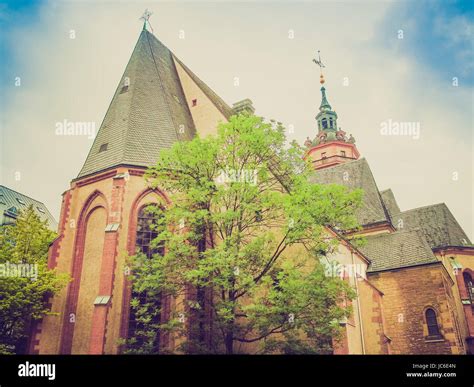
(432, 323)
(469, 286)
(147, 232)
(325, 123)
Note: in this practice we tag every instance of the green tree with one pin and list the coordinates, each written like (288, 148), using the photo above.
(244, 236)
(25, 280)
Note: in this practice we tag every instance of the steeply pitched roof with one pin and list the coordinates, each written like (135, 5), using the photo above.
(149, 114)
(397, 250)
(390, 202)
(421, 229)
(356, 174)
(10, 198)
(437, 224)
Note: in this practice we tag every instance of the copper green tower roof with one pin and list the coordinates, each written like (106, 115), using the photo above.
(148, 111)
(326, 118)
(324, 101)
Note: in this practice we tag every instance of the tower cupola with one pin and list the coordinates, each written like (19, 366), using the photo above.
(326, 118)
(331, 146)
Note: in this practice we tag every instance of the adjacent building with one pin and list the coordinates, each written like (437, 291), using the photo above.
(12, 202)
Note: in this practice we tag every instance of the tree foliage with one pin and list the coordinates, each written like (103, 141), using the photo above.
(244, 237)
(25, 280)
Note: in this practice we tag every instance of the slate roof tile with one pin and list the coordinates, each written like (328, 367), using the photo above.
(356, 174)
(390, 202)
(437, 224)
(149, 115)
(396, 250)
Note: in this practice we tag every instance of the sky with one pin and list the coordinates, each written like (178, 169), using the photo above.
(387, 63)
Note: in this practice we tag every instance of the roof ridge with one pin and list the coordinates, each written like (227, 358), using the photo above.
(427, 206)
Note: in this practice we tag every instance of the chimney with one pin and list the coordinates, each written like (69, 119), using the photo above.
(245, 105)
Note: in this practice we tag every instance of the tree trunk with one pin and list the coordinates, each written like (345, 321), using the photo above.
(229, 343)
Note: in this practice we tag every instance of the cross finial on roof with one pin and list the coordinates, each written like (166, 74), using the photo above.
(146, 19)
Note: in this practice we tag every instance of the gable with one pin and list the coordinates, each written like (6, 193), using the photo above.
(206, 108)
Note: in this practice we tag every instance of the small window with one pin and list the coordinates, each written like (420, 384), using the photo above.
(343, 153)
(103, 147)
(325, 123)
(323, 155)
(194, 102)
(41, 210)
(432, 323)
(13, 211)
(20, 201)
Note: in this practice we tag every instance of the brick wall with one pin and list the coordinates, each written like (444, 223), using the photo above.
(407, 294)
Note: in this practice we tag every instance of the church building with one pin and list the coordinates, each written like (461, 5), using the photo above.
(415, 283)
(421, 260)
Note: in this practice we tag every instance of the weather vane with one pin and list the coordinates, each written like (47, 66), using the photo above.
(146, 19)
(321, 66)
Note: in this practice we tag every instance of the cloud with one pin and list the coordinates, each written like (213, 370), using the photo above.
(437, 34)
(74, 80)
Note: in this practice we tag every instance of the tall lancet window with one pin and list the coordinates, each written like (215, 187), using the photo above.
(147, 231)
(469, 287)
(145, 337)
(432, 323)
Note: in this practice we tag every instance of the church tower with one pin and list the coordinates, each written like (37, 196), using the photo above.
(331, 146)
(158, 101)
